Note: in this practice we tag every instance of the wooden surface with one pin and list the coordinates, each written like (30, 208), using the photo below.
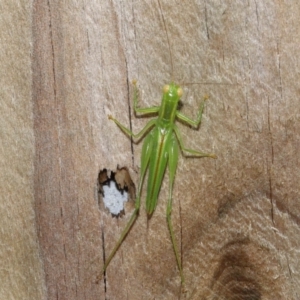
(236, 218)
(21, 273)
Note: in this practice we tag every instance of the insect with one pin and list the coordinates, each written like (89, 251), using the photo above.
(160, 149)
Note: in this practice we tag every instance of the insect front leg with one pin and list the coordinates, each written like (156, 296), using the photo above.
(139, 110)
(194, 123)
(193, 152)
(172, 163)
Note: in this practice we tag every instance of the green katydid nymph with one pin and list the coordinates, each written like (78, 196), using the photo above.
(160, 149)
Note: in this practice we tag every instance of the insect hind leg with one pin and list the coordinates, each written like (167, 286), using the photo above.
(172, 163)
(144, 163)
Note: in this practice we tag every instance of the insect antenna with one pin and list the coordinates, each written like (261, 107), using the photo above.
(171, 56)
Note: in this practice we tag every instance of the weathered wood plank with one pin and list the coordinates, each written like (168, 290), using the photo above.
(237, 217)
(21, 273)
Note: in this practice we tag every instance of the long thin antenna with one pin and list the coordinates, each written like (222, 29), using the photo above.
(171, 56)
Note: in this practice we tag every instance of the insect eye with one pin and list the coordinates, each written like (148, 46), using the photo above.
(179, 92)
(166, 88)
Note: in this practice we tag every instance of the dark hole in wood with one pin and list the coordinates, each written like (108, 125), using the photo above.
(114, 189)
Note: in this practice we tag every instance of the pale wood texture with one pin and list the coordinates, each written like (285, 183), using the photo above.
(21, 273)
(236, 218)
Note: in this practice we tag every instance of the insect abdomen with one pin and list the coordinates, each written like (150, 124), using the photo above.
(157, 167)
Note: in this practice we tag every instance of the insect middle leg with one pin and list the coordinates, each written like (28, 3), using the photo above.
(193, 152)
(149, 125)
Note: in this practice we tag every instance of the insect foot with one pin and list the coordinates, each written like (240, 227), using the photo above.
(206, 97)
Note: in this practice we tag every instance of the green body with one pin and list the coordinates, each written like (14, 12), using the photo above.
(160, 148)
(160, 145)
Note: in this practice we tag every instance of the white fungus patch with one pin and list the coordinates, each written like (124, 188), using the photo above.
(113, 198)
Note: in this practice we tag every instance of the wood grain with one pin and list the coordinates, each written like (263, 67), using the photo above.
(236, 218)
(21, 273)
